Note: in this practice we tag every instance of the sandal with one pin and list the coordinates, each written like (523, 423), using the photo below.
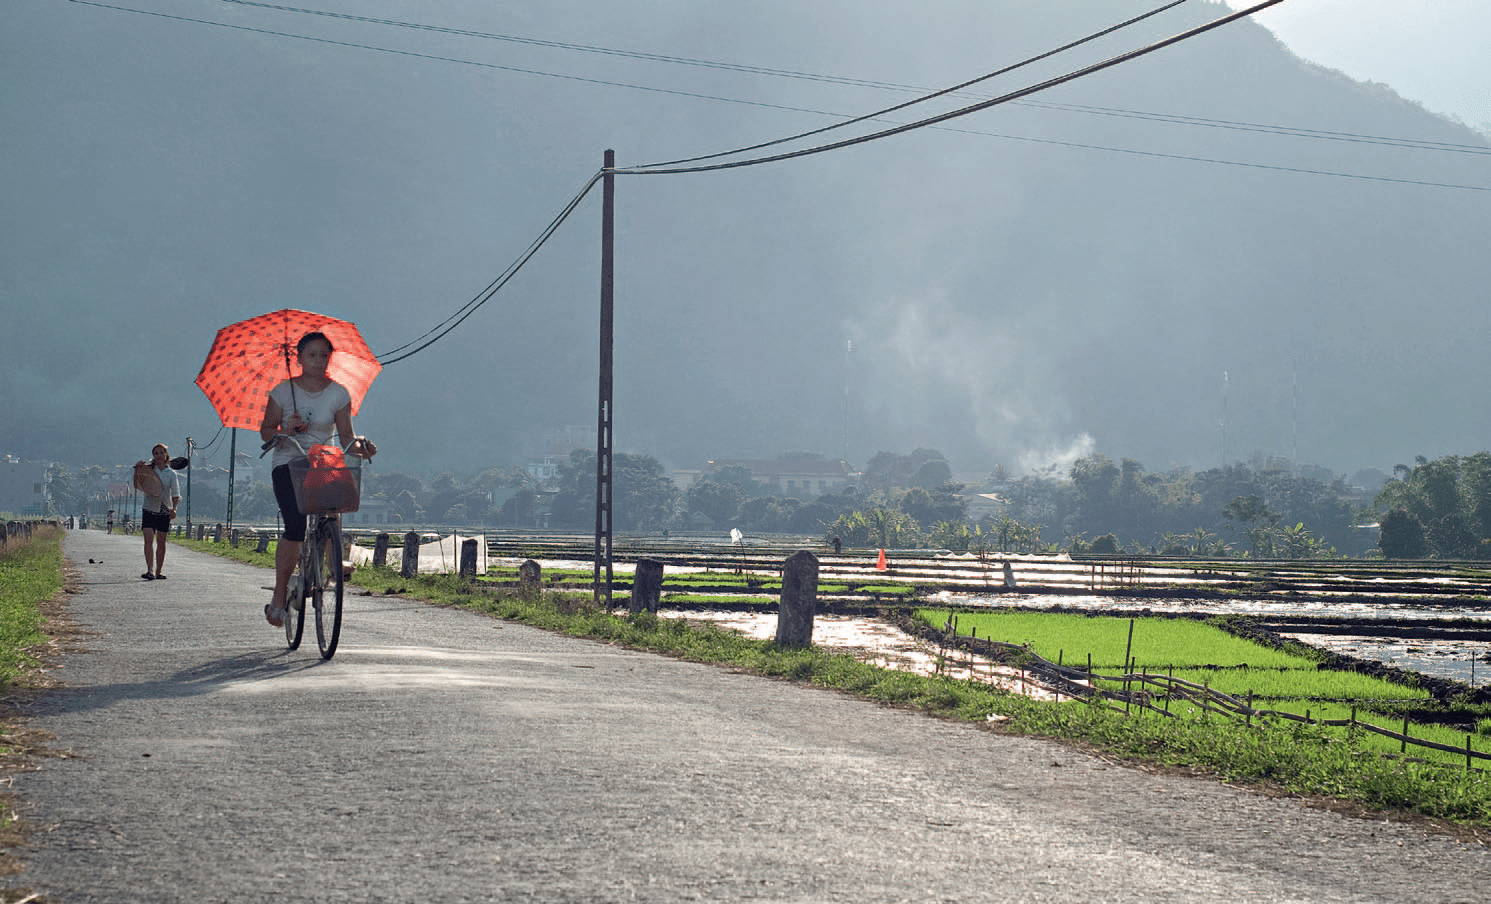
(160, 577)
(275, 615)
(148, 576)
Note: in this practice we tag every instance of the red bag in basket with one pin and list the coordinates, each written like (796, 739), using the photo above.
(329, 486)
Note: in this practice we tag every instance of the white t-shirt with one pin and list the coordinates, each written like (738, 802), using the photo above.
(170, 489)
(318, 409)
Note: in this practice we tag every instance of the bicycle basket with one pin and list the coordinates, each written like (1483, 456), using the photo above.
(325, 482)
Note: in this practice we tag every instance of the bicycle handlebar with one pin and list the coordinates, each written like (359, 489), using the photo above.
(291, 437)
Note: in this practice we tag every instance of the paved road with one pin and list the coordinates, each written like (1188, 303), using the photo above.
(447, 757)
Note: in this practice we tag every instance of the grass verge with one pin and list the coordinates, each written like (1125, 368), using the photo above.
(1289, 758)
(30, 574)
(30, 577)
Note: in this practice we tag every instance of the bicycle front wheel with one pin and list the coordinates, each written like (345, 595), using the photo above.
(295, 615)
(326, 594)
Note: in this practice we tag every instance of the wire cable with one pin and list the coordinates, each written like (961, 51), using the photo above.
(665, 168)
(443, 328)
(1282, 130)
(887, 86)
(936, 94)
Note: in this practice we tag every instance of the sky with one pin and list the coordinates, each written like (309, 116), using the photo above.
(1040, 280)
(1430, 51)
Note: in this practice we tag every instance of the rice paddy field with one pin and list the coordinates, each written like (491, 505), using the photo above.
(1287, 678)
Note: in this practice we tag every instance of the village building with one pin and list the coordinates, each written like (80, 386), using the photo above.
(800, 478)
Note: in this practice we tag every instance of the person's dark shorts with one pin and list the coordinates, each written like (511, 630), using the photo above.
(155, 521)
(284, 494)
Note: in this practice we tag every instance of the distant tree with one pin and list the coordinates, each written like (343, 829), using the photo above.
(406, 507)
(931, 506)
(932, 474)
(1402, 536)
(886, 471)
(520, 510)
(644, 496)
(1450, 498)
(737, 476)
(718, 501)
(443, 493)
(769, 514)
(392, 483)
(65, 494)
(880, 528)
(811, 517)
(255, 502)
(1095, 479)
(1451, 537)
(1106, 545)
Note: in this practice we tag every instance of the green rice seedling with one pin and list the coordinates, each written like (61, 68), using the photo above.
(701, 578)
(703, 599)
(1158, 643)
(1303, 684)
(888, 589)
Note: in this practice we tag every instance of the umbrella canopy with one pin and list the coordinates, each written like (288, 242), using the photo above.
(252, 356)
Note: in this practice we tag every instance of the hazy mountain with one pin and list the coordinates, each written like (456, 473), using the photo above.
(1076, 271)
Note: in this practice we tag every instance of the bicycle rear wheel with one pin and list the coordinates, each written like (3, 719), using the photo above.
(326, 594)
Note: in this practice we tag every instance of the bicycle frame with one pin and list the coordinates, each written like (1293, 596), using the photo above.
(318, 577)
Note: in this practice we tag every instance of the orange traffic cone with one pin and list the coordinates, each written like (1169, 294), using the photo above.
(880, 565)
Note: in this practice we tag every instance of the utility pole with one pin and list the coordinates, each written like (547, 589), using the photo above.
(232, 463)
(188, 485)
(603, 422)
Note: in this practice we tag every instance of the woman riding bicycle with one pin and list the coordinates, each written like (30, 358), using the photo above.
(308, 406)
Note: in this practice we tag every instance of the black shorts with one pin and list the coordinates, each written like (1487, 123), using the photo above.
(284, 494)
(159, 521)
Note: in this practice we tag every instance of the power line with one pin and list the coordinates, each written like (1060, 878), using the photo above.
(1281, 130)
(655, 169)
(936, 94)
(1412, 143)
(450, 323)
(892, 86)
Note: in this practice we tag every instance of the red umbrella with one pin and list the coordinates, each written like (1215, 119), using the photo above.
(252, 356)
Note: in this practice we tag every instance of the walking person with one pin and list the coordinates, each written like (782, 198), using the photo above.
(162, 495)
(309, 406)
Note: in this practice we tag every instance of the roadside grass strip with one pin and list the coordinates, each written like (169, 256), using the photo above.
(30, 574)
(1370, 742)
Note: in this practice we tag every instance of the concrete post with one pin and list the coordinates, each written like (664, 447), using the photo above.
(264, 538)
(468, 557)
(217, 533)
(799, 600)
(233, 538)
(530, 576)
(380, 550)
(409, 567)
(647, 586)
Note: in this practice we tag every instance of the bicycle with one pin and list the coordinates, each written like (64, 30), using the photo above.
(318, 574)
